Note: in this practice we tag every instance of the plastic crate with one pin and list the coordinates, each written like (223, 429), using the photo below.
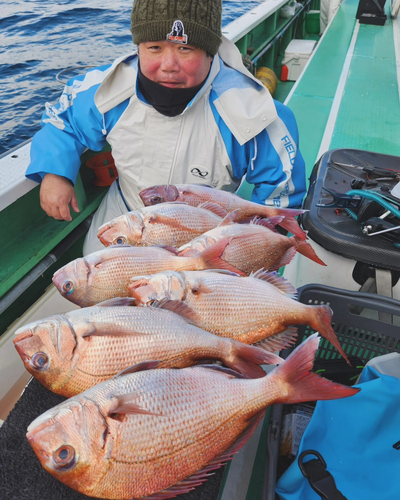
(362, 336)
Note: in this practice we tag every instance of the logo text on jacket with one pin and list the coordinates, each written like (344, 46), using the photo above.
(290, 149)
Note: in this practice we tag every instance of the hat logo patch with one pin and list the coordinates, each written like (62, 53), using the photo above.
(177, 34)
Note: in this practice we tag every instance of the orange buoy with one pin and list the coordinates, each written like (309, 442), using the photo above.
(268, 78)
(104, 169)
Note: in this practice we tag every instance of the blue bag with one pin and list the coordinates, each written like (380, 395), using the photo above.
(359, 438)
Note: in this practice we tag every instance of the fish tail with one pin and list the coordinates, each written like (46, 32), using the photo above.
(210, 258)
(290, 224)
(322, 323)
(297, 383)
(246, 359)
(307, 250)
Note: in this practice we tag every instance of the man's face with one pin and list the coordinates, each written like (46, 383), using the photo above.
(174, 65)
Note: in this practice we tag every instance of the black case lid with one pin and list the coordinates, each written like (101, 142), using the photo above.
(341, 234)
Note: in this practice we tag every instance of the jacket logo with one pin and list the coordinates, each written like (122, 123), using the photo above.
(199, 173)
(396, 446)
(177, 34)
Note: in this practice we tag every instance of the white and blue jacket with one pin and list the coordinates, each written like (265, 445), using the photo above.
(230, 130)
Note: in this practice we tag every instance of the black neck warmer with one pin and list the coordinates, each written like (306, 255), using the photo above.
(167, 101)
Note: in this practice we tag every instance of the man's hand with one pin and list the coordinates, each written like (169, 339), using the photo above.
(56, 194)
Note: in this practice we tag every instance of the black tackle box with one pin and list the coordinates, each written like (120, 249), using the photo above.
(362, 335)
(339, 226)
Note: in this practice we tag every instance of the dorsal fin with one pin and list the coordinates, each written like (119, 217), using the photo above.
(213, 207)
(280, 283)
(177, 307)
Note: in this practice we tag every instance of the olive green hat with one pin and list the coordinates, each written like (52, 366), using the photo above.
(192, 22)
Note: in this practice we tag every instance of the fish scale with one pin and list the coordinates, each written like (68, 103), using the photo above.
(251, 247)
(249, 309)
(99, 342)
(168, 224)
(105, 274)
(146, 432)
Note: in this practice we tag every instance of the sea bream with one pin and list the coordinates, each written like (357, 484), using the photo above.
(171, 224)
(252, 246)
(158, 433)
(261, 307)
(196, 194)
(105, 274)
(69, 353)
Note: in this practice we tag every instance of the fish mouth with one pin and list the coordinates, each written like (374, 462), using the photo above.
(102, 229)
(18, 343)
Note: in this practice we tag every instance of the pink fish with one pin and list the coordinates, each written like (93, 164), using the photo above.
(195, 194)
(69, 353)
(258, 308)
(105, 274)
(159, 433)
(171, 224)
(252, 246)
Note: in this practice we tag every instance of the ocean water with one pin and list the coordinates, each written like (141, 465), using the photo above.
(41, 38)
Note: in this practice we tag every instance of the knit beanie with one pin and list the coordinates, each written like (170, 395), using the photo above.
(192, 22)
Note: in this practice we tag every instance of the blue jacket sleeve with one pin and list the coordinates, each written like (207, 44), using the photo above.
(271, 161)
(71, 126)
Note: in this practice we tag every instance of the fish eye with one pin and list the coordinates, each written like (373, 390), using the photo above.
(64, 457)
(119, 241)
(155, 199)
(40, 360)
(195, 291)
(68, 287)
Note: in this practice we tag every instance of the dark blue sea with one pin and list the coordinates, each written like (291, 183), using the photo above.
(41, 38)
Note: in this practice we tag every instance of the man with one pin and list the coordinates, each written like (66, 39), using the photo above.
(183, 109)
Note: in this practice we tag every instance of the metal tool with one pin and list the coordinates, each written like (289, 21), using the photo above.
(341, 200)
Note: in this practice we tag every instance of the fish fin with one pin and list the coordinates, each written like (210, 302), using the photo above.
(285, 260)
(214, 208)
(169, 221)
(290, 224)
(247, 358)
(177, 307)
(117, 301)
(229, 372)
(230, 218)
(189, 252)
(279, 341)
(211, 256)
(298, 383)
(323, 325)
(307, 250)
(278, 282)
(269, 223)
(139, 367)
(125, 404)
(102, 330)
